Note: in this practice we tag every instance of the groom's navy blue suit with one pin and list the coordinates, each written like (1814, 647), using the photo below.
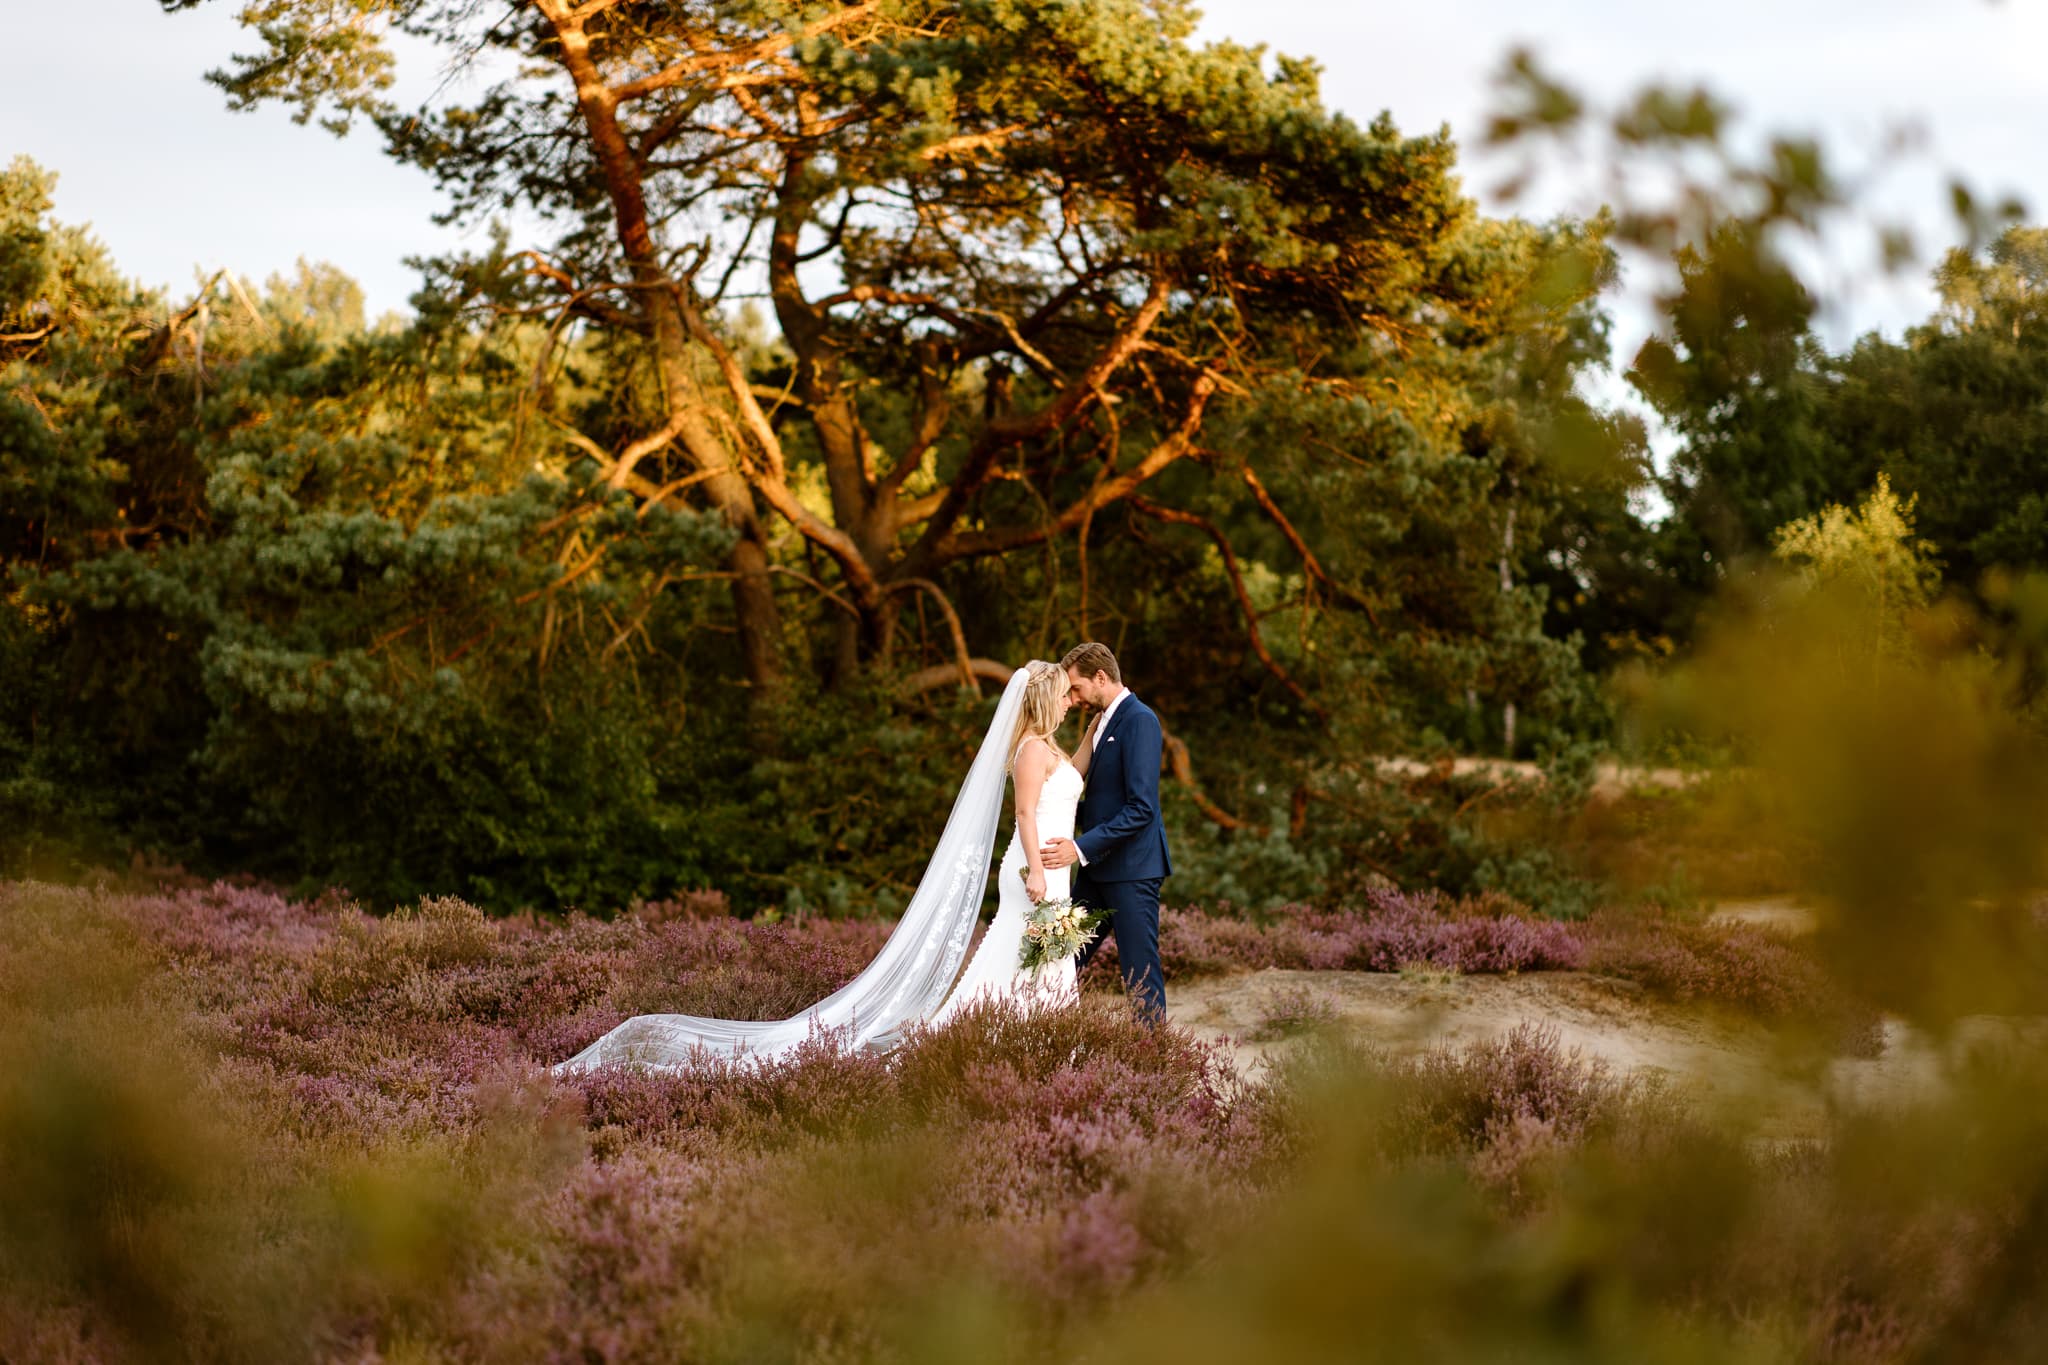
(1123, 844)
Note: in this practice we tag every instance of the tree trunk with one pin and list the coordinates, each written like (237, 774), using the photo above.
(835, 420)
(760, 623)
(1507, 585)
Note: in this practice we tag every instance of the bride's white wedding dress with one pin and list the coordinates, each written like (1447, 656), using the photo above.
(912, 979)
(994, 972)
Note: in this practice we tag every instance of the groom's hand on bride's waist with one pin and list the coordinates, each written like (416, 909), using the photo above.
(1058, 853)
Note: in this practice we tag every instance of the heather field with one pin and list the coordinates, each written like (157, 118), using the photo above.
(238, 1127)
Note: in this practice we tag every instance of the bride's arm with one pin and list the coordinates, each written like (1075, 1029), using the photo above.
(1084, 753)
(1034, 765)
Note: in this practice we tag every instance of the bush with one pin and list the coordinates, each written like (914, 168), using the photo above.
(1748, 968)
(1462, 1100)
(1388, 931)
(1290, 1011)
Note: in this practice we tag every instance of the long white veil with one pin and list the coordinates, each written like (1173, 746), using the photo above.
(908, 980)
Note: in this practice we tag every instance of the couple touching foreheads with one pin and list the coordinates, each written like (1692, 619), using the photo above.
(1087, 829)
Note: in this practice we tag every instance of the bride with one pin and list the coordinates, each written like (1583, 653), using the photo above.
(912, 978)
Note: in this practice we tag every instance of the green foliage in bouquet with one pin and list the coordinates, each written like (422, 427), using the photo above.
(1055, 930)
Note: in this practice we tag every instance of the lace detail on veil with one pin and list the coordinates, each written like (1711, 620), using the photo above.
(909, 978)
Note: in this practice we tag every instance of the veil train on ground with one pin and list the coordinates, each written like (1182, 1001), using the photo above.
(908, 980)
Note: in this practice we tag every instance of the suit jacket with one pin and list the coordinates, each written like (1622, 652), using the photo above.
(1121, 834)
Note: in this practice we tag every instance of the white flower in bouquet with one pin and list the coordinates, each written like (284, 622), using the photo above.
(1055, 930)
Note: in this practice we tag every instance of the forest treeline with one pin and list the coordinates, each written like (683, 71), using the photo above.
(867, 346)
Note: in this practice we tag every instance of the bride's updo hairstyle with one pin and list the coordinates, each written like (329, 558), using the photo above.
(1045, 683)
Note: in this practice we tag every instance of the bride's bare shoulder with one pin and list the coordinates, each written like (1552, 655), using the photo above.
(1036, 752)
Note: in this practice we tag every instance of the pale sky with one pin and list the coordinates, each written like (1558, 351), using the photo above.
(109, 94)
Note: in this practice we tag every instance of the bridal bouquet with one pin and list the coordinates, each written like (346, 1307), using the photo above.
(1056, 930)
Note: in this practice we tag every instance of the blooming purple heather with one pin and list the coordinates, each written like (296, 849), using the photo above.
(1390, 931)
(349, 1047)
(336, 1136)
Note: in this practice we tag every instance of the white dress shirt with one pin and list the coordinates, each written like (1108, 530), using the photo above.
(1094, 739)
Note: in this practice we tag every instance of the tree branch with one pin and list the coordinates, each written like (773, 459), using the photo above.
(934, 410)
(1176, 445)
(651, 494)
(662, 494)
(837, 236)
(639, 450)
(781, 398)
(737, 384)
(971, 142)
(1244, 600)
(728, 60)
(964, 662)
(1038, 360)
(1308, 558)
(819, 588)
(871, 293)
(925, 679)
(582, 301)
(1003, 432)
(771, 478)
(1183, 771)
(911, 511)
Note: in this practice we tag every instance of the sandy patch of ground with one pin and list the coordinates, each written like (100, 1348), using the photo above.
(1726, 1064)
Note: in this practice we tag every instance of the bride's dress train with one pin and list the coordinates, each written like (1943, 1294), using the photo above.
(912, 979)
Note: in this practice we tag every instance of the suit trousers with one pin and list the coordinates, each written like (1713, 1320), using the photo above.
(1134, 921)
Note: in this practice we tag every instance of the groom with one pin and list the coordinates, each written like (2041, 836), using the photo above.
(1121, 845)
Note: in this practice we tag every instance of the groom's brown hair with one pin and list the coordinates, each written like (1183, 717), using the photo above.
(1091, 659)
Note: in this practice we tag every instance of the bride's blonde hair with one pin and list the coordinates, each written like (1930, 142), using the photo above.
(1044, 684)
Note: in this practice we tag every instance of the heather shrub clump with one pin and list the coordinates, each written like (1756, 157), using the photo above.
(1391, 929)
(1292, 1010)
(367, 955)
(1460, 1100)
(1743, 967)
(822, 1089)
(735, 969)
(1072, 1151)
(1750, 968)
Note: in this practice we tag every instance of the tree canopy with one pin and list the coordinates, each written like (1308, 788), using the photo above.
(852, 353)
